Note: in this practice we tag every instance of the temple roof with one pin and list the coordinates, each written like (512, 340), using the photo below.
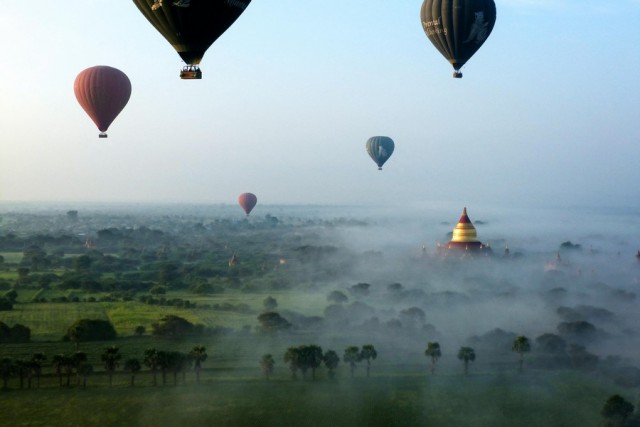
(464, 232)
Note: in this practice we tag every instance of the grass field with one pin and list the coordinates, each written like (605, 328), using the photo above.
(49, 321)
(385, 399)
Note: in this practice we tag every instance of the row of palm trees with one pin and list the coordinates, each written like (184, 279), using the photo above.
(311, 357)
(521, 345)
(302, 359)
(77, 364)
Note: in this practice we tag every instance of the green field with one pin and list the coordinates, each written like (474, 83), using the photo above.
(49, 321)
(242, 398)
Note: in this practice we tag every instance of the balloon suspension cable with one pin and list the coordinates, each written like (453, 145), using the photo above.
(103, 135)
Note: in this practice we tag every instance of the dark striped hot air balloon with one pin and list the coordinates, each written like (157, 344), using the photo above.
(457, 28)
(247, 202)
(380, 149)
(191, 26)
(102, 92)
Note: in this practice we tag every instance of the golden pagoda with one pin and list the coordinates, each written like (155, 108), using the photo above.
(465, 236)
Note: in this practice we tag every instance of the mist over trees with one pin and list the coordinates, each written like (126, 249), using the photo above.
(312, 293)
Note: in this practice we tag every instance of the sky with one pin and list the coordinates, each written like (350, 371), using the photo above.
(546, 114)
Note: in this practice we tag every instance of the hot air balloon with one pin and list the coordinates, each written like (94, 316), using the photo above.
(191, 26)
(102, 92)
(247, 202)
(380, 149)
(457, 28)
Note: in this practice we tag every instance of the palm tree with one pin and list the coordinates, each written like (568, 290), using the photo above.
(151, 360)
(22, 367)
(164, 363)
(37, 359)
(83, 370)
(132, 366)
(521, 346)
(6, 370)
(77, 359)
(433, 351)
(368, 352)
(352, 356)
(110, 358)
(331, 360)
(466, 354)
(63, 364)
(293, 358)
(267, 363)
(58, 364)
(176, 362)
(198, 354)
(312, 358)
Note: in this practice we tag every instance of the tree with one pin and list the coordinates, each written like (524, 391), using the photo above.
(311, 358)
(37, 359)
(59, 362)
(270, 303)
(72, 215)
(63, 365)
(293, 358)
(140, 330)
(23, 368)
(466, 354)
(266, 364)
(77, 359)
(272, 322)
(173, 326)
(352, 356)
(176, 362)
(6, 370)
(361, 289)
(90, 330)
(521, 346)
(551, 344)
(111, 358)
(433, 351)
(12, 295)
(616, 411)
(368, 353)
(5, 305)
(133, 367)
(331, 360)
(84, 370)
(337, 297)
(19, 333)
(151, 360)
(164, 363)
(198, 354)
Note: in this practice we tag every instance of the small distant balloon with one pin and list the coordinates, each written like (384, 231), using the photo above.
(102, 92)
(191, 26)
(458, 28)
(247, 202)
(380, 149)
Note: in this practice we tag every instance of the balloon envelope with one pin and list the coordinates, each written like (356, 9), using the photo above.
(102, 92)
(191, 26)
(457, 28)
(247, 202)
(380, 149)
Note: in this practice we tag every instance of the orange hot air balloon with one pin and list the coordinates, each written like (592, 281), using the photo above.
(247, 202)
(102, 92)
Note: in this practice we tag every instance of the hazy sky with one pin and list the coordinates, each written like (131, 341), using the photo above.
(547, 111)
